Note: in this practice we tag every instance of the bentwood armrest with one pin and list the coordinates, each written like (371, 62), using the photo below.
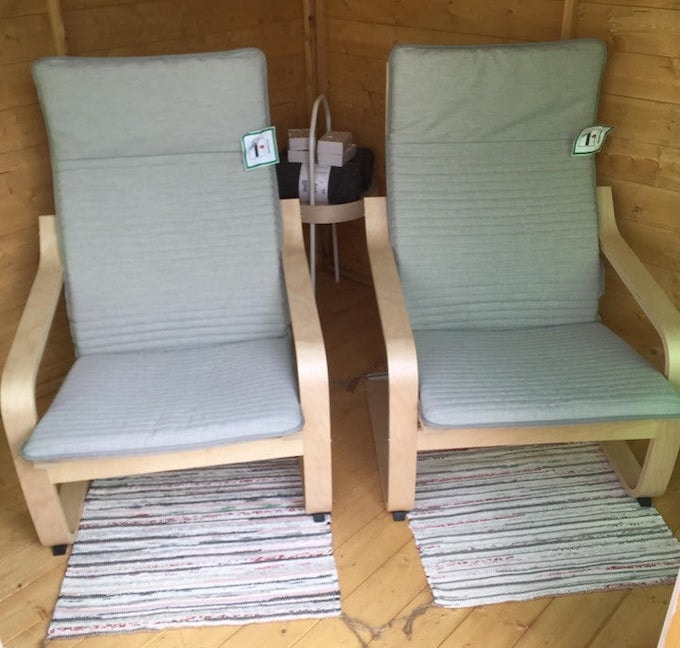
(655, 303)
(17, 386)
(400, 346)
(310, 353)
(670, 633)
(303, 312)
(402, 364)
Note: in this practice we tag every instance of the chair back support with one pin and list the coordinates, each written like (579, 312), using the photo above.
(492, 219)
(167, 241)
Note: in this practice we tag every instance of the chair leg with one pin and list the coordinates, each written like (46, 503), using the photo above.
(651, 478)
(55, 512)
(394, 433)
(316, 470)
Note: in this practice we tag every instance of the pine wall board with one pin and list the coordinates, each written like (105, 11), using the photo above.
(25, 177)
(641, 160)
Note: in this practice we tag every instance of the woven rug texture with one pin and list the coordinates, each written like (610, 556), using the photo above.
(225, 545)
(513, 524)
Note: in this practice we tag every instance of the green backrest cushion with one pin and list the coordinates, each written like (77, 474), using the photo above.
(493, 221)
(167, 241)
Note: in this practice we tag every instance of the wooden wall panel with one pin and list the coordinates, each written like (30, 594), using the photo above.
(25, 180)
(641, 160)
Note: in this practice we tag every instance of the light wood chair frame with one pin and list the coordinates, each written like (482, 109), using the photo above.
(670, 632)
(54, 491)
(400, 435)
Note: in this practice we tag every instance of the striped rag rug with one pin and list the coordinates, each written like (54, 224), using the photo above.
(513, 524)
(212, 546)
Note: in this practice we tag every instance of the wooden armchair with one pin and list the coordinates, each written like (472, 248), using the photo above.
(190, 302)
(486, 268)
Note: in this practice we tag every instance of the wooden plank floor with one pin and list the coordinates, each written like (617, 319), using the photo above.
(385, 598)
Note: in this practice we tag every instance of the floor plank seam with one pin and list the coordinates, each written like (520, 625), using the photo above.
(606, 621)
(356, 625)
(352, 383)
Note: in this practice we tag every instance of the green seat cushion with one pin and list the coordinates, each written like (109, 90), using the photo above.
(165, 401)
(574, 373)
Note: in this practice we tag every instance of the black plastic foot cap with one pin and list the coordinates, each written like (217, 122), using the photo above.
(398, 516)
(59, 550)
(645, 502)
(319, 517)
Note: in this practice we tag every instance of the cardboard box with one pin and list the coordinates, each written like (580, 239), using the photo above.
(298, 155)
(337, 159)
(298, 139)
(334, 143)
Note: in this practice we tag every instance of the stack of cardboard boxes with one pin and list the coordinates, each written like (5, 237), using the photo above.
(342, 171)
(334, 148)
